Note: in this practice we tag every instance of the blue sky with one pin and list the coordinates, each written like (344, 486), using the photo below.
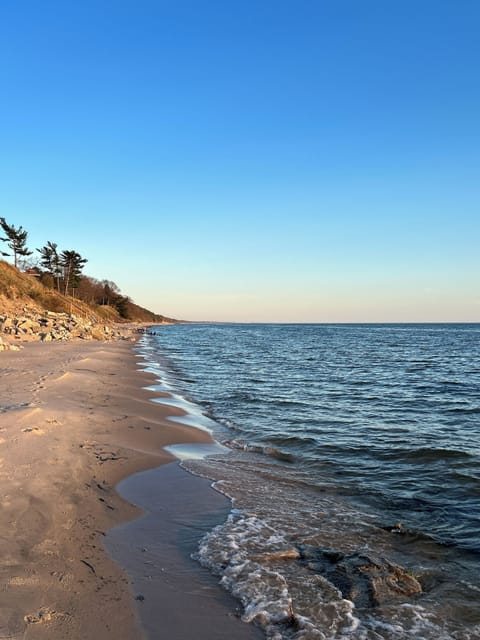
(251, 160)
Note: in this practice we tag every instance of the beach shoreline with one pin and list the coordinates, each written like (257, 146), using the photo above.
(75, 420)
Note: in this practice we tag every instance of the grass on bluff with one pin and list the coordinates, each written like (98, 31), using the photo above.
(14, 285)
(19, 288)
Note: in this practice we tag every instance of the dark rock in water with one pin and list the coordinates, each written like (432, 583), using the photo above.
(395, 528)
(365, 580)
(399, 529)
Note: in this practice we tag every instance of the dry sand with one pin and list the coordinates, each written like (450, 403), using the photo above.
(74, 421)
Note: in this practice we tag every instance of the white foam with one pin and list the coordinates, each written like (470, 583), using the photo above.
(240, 552)
(291, 602)
(190, 451)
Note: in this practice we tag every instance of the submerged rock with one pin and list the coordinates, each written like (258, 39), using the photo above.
(366, 580)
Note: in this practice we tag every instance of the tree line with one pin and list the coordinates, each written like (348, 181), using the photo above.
(62, 270)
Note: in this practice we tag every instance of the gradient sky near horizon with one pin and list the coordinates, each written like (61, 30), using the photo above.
(251, 160)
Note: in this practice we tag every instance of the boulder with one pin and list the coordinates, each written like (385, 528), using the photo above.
(7, 323)
(366, 580)
(50, 326)
(24, 323)
(6, 346)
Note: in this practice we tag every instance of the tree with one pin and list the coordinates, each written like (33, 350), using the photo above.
(16, 239)
(122, 305)
(72, 264)
(110, 292)
(50, 261)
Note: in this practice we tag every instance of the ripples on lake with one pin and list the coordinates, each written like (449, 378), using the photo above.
(337, 433)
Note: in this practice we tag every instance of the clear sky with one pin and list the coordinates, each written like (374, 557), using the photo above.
(260, 160)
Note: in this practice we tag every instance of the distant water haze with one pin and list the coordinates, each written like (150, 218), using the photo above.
(353, 305)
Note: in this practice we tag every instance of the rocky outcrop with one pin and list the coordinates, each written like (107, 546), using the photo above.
(6, 346)
(49, 326)
(365, 580)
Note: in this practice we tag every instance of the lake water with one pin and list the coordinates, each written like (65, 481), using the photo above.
(357, 443)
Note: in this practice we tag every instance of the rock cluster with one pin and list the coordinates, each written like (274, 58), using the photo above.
(49, 326)
(6, 346)
(366, 580)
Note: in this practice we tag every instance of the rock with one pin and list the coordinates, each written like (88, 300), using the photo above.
(275, 556)
(6, 346)
(6, 323)
(25, 324)
(50, 326)
(365, 580)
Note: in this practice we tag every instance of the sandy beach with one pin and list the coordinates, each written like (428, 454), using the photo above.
(75, 419)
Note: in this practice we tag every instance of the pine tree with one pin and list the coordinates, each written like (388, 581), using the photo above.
(72, 264)
(50, 261)
(16, 239)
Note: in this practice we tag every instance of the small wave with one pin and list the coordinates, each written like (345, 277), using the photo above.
(293, 440)
(262, 566)
(432, 454)
(243, 396)
(226, 423)
(465, 411)
(421, 455)
(466, 477)
(246, 552)
(279, 402)
(263, 450)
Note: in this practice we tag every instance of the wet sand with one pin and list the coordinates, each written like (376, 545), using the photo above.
(74, 421)
(178, 598)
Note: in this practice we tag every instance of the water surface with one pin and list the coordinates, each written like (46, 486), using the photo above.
(335, 435)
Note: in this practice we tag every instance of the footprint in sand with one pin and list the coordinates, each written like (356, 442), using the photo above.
(34, 430)
(28, 581)
(46, 614)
